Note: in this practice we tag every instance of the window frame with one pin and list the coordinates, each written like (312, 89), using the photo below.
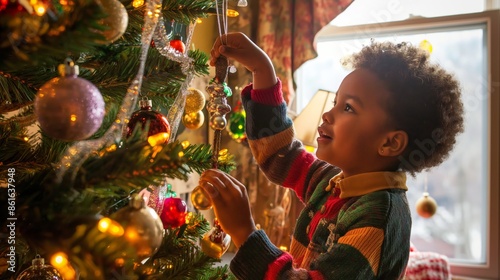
(491, 19)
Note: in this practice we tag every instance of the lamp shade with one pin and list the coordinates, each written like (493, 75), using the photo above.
(307, 122)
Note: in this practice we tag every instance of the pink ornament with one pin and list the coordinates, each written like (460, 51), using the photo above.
(68, 107)
(173, 213)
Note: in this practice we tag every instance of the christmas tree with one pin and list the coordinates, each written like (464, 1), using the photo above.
(70, 187)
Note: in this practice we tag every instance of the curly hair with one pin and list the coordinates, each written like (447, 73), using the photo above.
(425, 100)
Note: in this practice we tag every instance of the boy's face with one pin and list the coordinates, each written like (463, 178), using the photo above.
(354, 130)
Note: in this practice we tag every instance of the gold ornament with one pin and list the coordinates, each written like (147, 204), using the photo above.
(193, 120)
(39, 270)
(199, 199)
(116, 21)
(215, 242)
(195, 101)
(143, 227)
(426, 206)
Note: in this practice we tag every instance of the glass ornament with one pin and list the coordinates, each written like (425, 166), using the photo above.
(195, 101)
(236, 127)
(199, 200)
(193, 120)
(156, 122)
(68, 107)
(177, 44)
(174, 212)
(143, 227)
(116, 21)
(39, 271)
(426, 206)
(218, 122)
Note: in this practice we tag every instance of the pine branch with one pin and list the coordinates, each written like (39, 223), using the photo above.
(52, 45)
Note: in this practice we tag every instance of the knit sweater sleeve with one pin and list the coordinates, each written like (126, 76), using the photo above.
(271, 137)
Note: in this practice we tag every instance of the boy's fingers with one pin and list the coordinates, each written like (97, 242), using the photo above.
(209, 189)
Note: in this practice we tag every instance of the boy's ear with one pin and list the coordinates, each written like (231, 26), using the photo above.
(395, 143)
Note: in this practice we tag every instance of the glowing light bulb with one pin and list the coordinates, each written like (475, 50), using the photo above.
(232, 13)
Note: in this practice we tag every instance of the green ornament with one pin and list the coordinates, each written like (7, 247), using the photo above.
(237, 125)
(227, 90)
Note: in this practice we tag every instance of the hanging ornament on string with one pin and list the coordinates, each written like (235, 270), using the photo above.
(217, 106)
(193, 120)
(157, 124)
(68, 107)
(177, 44)
(142, 226)
(215, 242)
(116, 21)
(39, 271)
(174, 210)
(236, 127)
(154, 196)
(195, 101)
(426, 206)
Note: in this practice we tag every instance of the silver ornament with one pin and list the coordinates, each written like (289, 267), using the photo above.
(218, 122)
(68, 107)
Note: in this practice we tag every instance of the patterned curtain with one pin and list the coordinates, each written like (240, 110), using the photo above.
(285, 30)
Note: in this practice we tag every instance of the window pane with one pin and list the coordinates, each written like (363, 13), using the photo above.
(459, 185)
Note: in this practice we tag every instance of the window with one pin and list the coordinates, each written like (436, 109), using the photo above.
(466, 186)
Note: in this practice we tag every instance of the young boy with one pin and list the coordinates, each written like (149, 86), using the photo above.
(356, 221)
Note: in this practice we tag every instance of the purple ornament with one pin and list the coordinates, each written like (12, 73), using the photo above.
(68, 107)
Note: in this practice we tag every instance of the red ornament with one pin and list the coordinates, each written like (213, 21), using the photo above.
(174, 212)
(177, 43)
(158, 123)
(15, 8)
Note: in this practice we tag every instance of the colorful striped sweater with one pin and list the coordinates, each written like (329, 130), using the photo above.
(352, 228)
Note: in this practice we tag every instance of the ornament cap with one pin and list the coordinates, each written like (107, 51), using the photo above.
(38, 261)
(145, 103)
(177, 36)
(68, 68)
(137, 202)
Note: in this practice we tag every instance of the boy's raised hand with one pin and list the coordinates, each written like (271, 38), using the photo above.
(239, 47)
(230, 201)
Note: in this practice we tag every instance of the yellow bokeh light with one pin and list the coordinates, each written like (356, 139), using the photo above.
(111, 148)
(72, 118)
(131, 234)
(426, 46)
(137, 3)
(185, 144)
(232, 13)
(119, 262)
(59, 260)
(103, 224)
(310, 149)
(40, 10)
(158, 138)
(107, 225)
